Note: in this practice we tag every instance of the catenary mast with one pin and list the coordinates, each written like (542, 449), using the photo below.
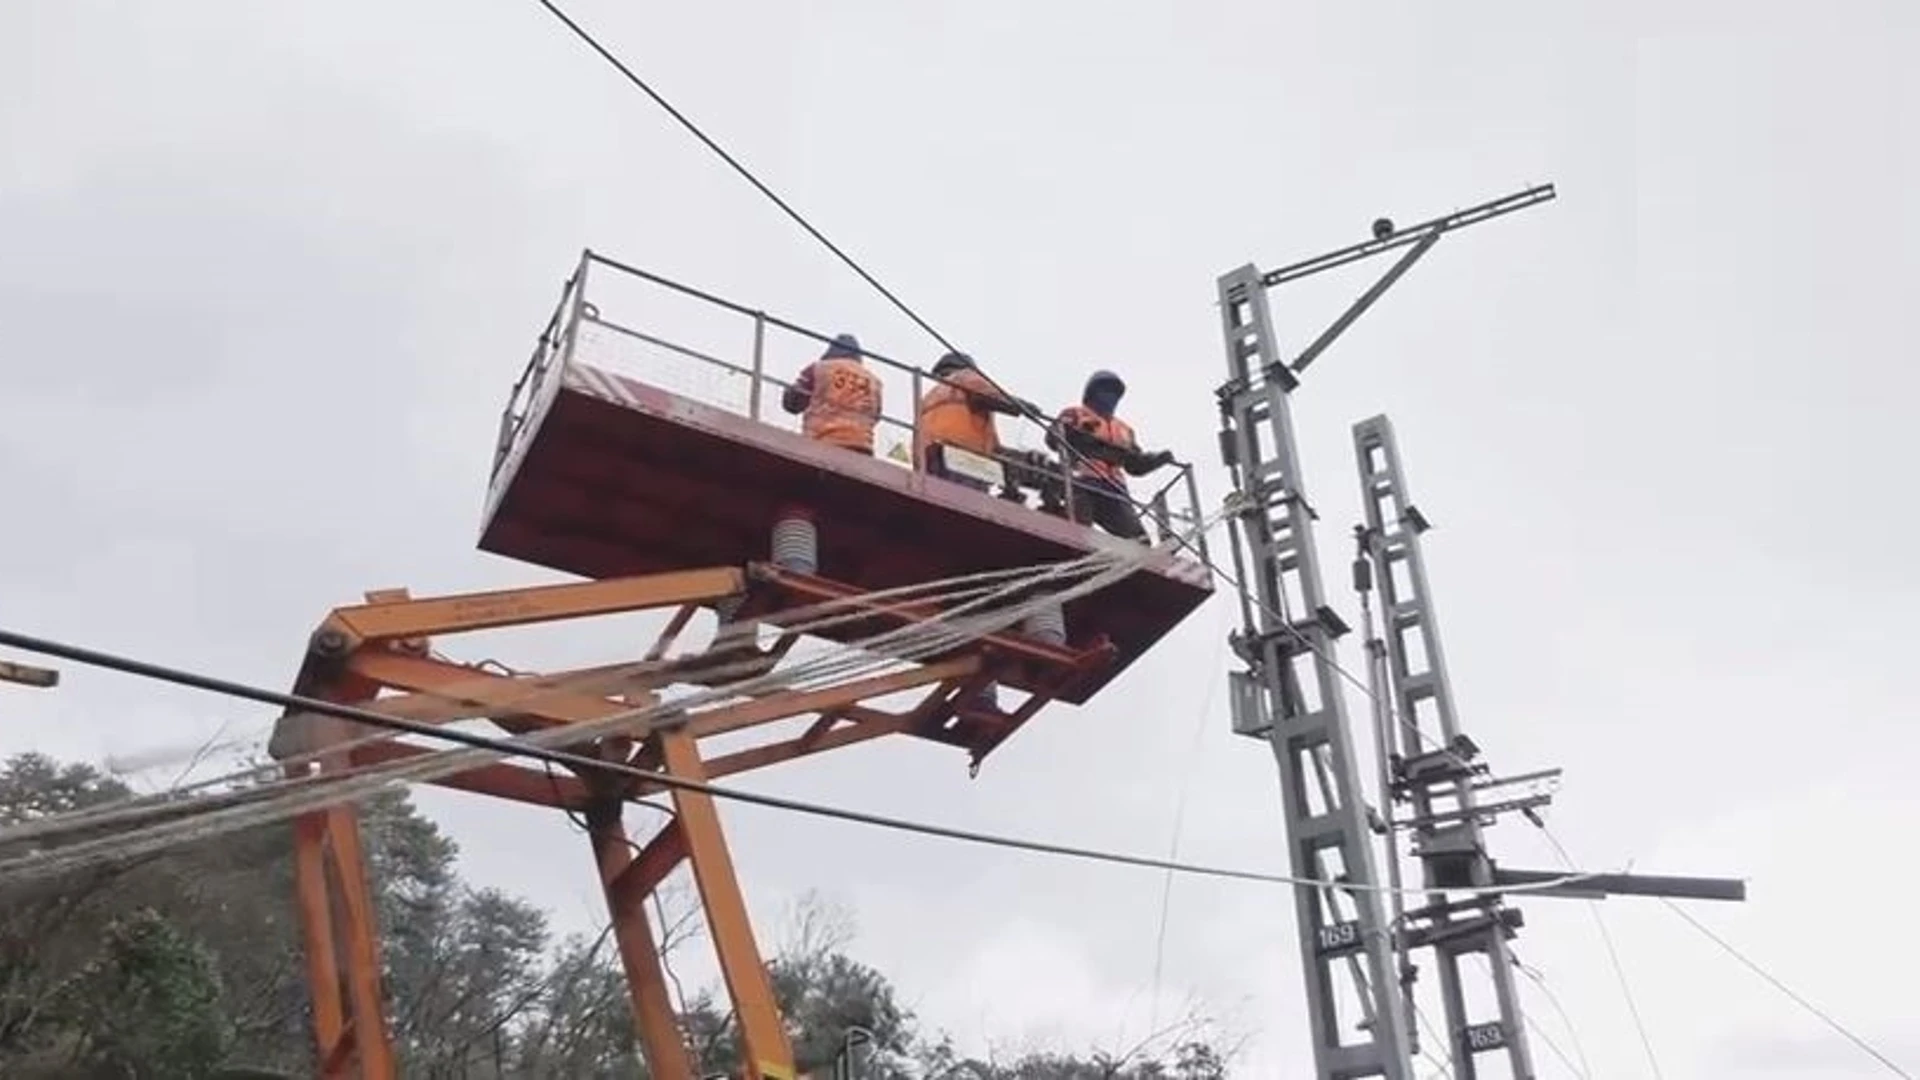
(1357, 943)
(1290, 693)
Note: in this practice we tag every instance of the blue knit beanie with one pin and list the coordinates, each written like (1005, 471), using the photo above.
(845, 346)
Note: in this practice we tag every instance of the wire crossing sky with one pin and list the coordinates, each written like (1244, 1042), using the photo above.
(1647, 427)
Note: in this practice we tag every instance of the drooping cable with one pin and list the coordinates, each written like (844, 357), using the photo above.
(1583, 1070)
(644, 87)
(664, 947)
(1824, 1017)
(538, 746)
(1820, 1014)
(896, 646)
(1068, 451)
(1541, 1034)
(1434, 1036)
(1539, 980)
(1179, 818)
(1613, 957)
(241, 784)
(903, 644)
(506, 747)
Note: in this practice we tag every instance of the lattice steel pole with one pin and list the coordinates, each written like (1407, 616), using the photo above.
(1433, 771)
(1291, 696)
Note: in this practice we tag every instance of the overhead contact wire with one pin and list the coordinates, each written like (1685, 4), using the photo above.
(747, 174)
(632, 77)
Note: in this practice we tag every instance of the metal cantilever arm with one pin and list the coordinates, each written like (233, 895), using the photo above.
(1417, 239)
(1472, 215)
(1603, 885)
(1359, 307)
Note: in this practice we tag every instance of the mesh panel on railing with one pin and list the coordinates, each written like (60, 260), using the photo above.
(705, 351)
(622, 352)
(719, 381)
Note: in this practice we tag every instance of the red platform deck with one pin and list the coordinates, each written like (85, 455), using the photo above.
(609, 476)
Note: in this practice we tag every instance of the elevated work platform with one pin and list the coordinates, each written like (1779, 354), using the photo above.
(642, 727)
(603, 471)
(646, 467)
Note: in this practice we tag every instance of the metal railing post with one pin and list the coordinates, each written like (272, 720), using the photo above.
(914, 450)
(1193, 508)
(509, 423)
(572, 332)
(527, 387)
(759, 363)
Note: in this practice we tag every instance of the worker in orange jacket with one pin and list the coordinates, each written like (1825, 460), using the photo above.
(1103, 452)
(837, 398)
(959, 412)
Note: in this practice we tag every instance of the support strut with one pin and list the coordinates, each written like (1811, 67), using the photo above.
(376, 657)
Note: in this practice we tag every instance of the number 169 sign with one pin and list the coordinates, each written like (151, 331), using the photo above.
(1485, 1037)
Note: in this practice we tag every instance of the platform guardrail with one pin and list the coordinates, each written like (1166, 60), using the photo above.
(618, 318)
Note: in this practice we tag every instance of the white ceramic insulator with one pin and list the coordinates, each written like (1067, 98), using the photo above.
(796, 545)
(1047, 624)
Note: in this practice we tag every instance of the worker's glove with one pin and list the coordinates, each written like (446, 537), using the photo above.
(1160, 460)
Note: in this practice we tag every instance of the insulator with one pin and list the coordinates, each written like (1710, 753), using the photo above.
(1047, 624)
(796, 544)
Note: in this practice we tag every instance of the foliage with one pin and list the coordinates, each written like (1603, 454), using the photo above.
(189, 965)
(149, 1002)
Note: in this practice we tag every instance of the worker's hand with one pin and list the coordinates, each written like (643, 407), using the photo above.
(1162, 459)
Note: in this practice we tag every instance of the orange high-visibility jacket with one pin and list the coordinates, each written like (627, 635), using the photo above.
(1108, 429)
(844, 405)
(949, 417)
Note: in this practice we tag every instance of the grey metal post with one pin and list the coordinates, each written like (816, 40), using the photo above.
(1193, 507)
(914, 450)
(1434, 777)
(1302, 715)
(1378, 691)
(1157, 510)
(572, 331)
(526, 388)
(759, 364)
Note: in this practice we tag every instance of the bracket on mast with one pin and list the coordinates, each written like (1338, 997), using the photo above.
(1601, 886)
(1417, 239)
(1412, 234)
(28, 675)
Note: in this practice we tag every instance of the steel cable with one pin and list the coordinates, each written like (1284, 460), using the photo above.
(898, 646)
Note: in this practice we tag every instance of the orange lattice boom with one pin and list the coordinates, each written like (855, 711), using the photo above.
(669, 504)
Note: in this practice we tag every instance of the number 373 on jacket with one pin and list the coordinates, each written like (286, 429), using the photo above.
(844, 406)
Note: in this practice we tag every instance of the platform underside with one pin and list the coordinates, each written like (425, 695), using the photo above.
(614, 477)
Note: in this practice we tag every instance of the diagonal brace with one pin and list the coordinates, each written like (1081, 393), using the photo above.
(1367, 299)
(349, 627)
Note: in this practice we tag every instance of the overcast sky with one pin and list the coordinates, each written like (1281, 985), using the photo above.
(267, 271)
